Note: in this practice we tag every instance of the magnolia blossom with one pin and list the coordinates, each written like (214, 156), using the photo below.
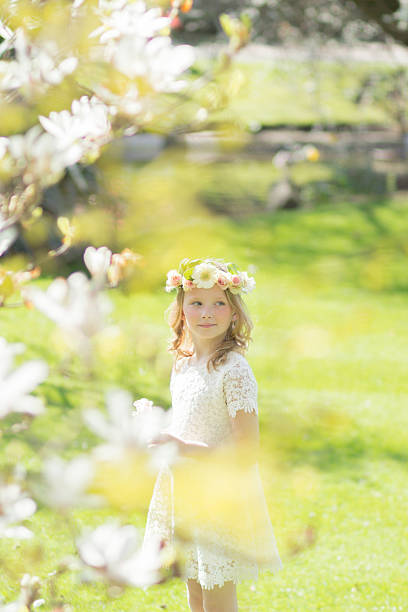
(115, 552)
(38, 157)
(157, 60)
(15, 506)
(98, 261)
(35, 67)
(205, 275)
(125, 18)
(83, 130)
(128, 103)
(75, 304)
(16, 385)
(65, 482)
(121, 263)
(124, 428)
(131, 35)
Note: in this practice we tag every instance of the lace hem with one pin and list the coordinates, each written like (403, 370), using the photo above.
(211, 581)
(235, 405)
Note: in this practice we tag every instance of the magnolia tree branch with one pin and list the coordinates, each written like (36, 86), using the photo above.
(132, 65)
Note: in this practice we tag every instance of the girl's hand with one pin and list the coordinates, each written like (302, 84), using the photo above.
(161, 438)
(184, 447)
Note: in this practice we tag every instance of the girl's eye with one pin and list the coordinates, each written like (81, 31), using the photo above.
(221, 302)
(196, 302)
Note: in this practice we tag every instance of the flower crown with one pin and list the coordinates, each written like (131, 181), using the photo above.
(204, 274)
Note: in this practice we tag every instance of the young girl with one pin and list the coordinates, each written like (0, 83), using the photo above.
(214, 405)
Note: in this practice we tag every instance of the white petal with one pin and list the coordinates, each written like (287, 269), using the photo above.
(19, 533)
(68, 65)
(23, 508)
(7, 237)
(23, 380)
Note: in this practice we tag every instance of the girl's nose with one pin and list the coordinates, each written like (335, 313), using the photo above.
(207, 313)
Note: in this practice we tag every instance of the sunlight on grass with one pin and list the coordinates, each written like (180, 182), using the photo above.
(328, 354)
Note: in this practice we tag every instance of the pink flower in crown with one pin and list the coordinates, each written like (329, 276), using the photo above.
(223, 281)
(187, 284)
(235, 283)
(174, 279)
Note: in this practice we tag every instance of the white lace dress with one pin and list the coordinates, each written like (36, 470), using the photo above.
(203, 406)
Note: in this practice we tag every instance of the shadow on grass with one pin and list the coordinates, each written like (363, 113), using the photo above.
(329, 445)
(366, 241)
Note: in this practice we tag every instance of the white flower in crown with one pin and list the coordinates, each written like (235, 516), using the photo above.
(174, 279)
(205, 275)
(248, 282)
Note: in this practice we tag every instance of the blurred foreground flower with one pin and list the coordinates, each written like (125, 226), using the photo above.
(218, 500)
(81, 132)
(15, 506)
(103, 265)
(121, 265)
(34, 67)
(125, 467)
(66, 482)
(98, 261)
(115, 552)
(123, 18)
(76, 305)
(15, 386)
(37, 157)
(124, 429)
(131, 37)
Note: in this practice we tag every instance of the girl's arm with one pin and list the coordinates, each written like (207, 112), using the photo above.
(240, 392)
(245, 435)
(186, 448)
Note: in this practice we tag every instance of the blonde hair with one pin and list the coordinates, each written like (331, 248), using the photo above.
(237, 336)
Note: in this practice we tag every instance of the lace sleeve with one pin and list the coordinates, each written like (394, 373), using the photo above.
(240, 388)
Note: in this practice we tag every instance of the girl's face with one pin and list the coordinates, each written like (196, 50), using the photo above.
(207, 312)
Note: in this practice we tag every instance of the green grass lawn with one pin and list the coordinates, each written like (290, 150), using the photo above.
(329, 353)
(297, 92)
